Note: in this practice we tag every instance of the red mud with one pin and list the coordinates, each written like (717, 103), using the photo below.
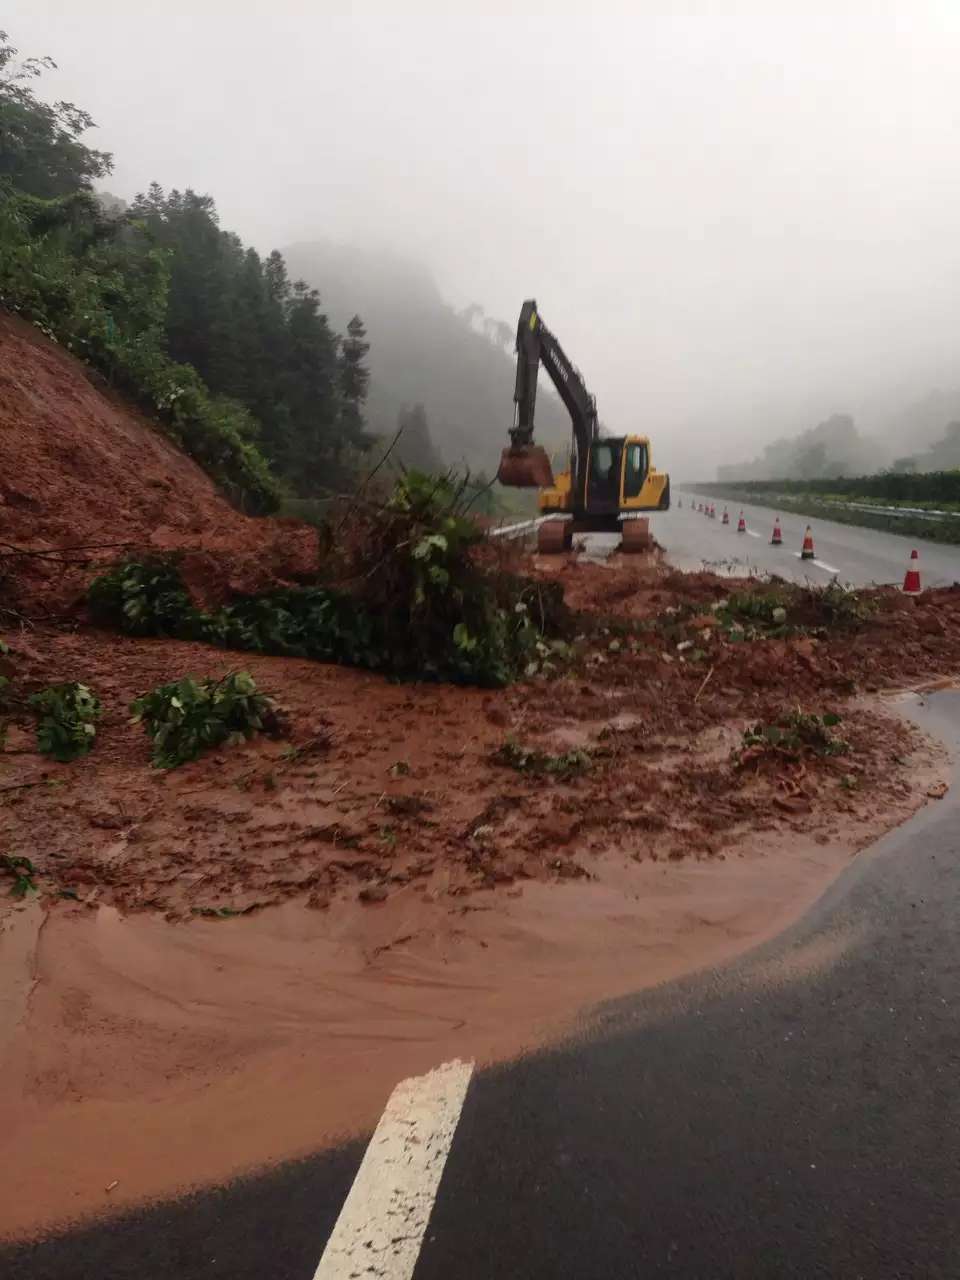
(161, 1054)
(79, 467)
(404, 897)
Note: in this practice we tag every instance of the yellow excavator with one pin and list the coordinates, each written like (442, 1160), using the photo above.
(610, 479)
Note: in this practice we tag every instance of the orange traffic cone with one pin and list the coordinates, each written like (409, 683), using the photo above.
(726, 516)
(777, 539)
(911, 582)
(807, 552)
(741, 524)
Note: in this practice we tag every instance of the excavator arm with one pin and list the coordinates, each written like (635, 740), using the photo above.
(525, 464)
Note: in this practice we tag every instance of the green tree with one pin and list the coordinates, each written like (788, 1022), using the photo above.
(354, 382)
(415, 446)
(40, 149)
(99, 283)
(258, 338)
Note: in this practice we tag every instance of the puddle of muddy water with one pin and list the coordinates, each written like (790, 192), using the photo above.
(159, 1055)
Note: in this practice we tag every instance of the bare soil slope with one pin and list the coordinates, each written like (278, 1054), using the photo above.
(80, 467)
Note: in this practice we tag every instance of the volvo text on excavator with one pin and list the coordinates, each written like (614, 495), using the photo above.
(610, 479)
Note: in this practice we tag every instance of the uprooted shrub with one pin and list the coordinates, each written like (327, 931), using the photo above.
(66, 720)
(416, 599)
(445, 611)
(186, 717)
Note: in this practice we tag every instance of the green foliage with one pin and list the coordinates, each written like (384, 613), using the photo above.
(238, 363)
(23, 871)
(749, 615)
(797, 732)
(40, 148)
(754, 607)
(894, 487)
(532, 760)
(66, 720)
(442, 612)
(835, 606)
(260, 340)
(186, 717)
(422, 604)
(141, 598)
(99, 286)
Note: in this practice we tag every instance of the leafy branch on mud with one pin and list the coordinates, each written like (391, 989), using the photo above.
(532, 760)
(66, 720)
(775, 611)
(794, 734)
(23, 871)
(186, 717)
(420, 599)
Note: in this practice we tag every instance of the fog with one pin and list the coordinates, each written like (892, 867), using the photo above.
(736, 226)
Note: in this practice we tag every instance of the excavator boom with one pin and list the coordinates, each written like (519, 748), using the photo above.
(524, 464)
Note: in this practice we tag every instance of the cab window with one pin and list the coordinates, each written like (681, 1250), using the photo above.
(635, 471)
(601, 460)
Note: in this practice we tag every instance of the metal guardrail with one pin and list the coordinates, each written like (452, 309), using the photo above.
(518, 530)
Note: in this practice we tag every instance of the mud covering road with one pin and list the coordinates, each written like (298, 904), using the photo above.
(784, 1116)
(232, 963)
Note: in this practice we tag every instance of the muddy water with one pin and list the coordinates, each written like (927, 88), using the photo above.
(161, 1056)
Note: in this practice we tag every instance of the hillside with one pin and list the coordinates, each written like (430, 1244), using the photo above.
(80, 467)
(422, 351)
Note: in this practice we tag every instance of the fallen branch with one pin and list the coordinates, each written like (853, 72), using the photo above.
(703, 685)
(58, 552)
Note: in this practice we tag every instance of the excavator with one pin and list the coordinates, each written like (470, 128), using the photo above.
(609, 480)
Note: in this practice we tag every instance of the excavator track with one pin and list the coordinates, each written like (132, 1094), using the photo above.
(554, 537)
(635, 535)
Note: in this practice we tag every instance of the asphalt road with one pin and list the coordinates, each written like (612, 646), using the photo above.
(857, 556)
(796, 1114)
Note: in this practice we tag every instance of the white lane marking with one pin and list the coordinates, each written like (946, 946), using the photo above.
(752, 533)
(827, 568)
(384, 1217)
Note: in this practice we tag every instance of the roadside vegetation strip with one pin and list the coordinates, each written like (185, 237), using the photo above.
(942, 528)
(381, 1227)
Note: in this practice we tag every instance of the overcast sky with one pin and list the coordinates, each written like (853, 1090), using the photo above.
(735, 224)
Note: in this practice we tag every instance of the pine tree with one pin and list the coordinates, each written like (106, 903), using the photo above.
(258, 339)
(354, 381)
(415, 447)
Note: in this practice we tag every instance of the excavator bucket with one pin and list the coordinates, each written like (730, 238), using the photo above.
(525, 468)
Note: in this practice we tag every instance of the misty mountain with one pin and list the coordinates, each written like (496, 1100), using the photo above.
(833, 447)
(457, 366)
(921, 422)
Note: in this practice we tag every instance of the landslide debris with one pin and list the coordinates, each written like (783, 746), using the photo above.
(438, 790)
(84, 476)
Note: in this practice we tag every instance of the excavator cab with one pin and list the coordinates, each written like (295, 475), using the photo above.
(603, 476)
